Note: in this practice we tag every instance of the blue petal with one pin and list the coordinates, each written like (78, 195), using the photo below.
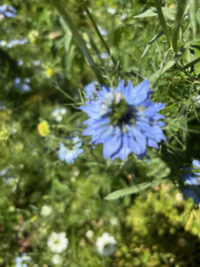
(144, 126)
(121, 87)
(160, 123)
(136, 95)
(101, 135)
(90, 90)
(152, 143)
(190, 193)
(153, 109)
(158, 134)
(137, 141)
(147, 129)
(101, 94)
(106, 134)
(91, 110)
(124, 150)
(196, 163)
(158, 116)
(111, 145)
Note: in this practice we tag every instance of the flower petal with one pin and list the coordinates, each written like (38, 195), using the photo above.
(112, 145)
(136, 95)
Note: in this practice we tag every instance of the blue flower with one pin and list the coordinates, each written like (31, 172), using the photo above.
(192, 179)
(20, 62)
(8, 11)
(103, 32)
(16, 42)
(124, 120)
(91, 90)
(36, 63)
(70, 154)
(22, 261)
(104, 55)
(23, 86)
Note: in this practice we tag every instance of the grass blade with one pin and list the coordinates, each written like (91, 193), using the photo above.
(78, 39)
(97, 31)
(163, 22)
(133, 189)
(177, 23)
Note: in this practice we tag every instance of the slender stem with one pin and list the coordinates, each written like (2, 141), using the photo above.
(97, 31)
(193, 17)
(78, 39)
(163, 22)
(177, 24)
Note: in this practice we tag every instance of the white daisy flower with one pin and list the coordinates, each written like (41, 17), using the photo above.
(111, 10)
(58, 113)
(57, 242)
(46, 211)
(89, 234)
(106, 244)
(56, 259)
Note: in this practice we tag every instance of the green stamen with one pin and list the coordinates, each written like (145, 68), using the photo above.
(120, 111)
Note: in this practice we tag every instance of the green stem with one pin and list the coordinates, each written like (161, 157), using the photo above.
(163, 22)
(77, 38)
(193, 17)
(97, 30)
(177, 24)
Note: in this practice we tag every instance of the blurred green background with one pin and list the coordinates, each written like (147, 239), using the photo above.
(45, 70)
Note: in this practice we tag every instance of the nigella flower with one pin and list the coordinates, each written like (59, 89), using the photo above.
(191, 177)
(70, 154)
(16, 42)
(22, 85)
(124, 120)
(8, 11)
(20, 62)
(22, 261)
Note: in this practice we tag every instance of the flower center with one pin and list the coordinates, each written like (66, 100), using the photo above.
(120, 113)
(56, 242)
(117, 109)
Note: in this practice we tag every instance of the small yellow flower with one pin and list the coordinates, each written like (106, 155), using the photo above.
(33, 219)
(43, 128)
(32, 36)
(49, 72)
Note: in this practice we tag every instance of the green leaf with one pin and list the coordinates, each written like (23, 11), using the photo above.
(151, 12)
(169, 13)
(156, 37)
(165, 67)
(133, 189)
(162, 70)
(78, 38)
(177, 24)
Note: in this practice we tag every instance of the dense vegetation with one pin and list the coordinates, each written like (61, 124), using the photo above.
(60, 192)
